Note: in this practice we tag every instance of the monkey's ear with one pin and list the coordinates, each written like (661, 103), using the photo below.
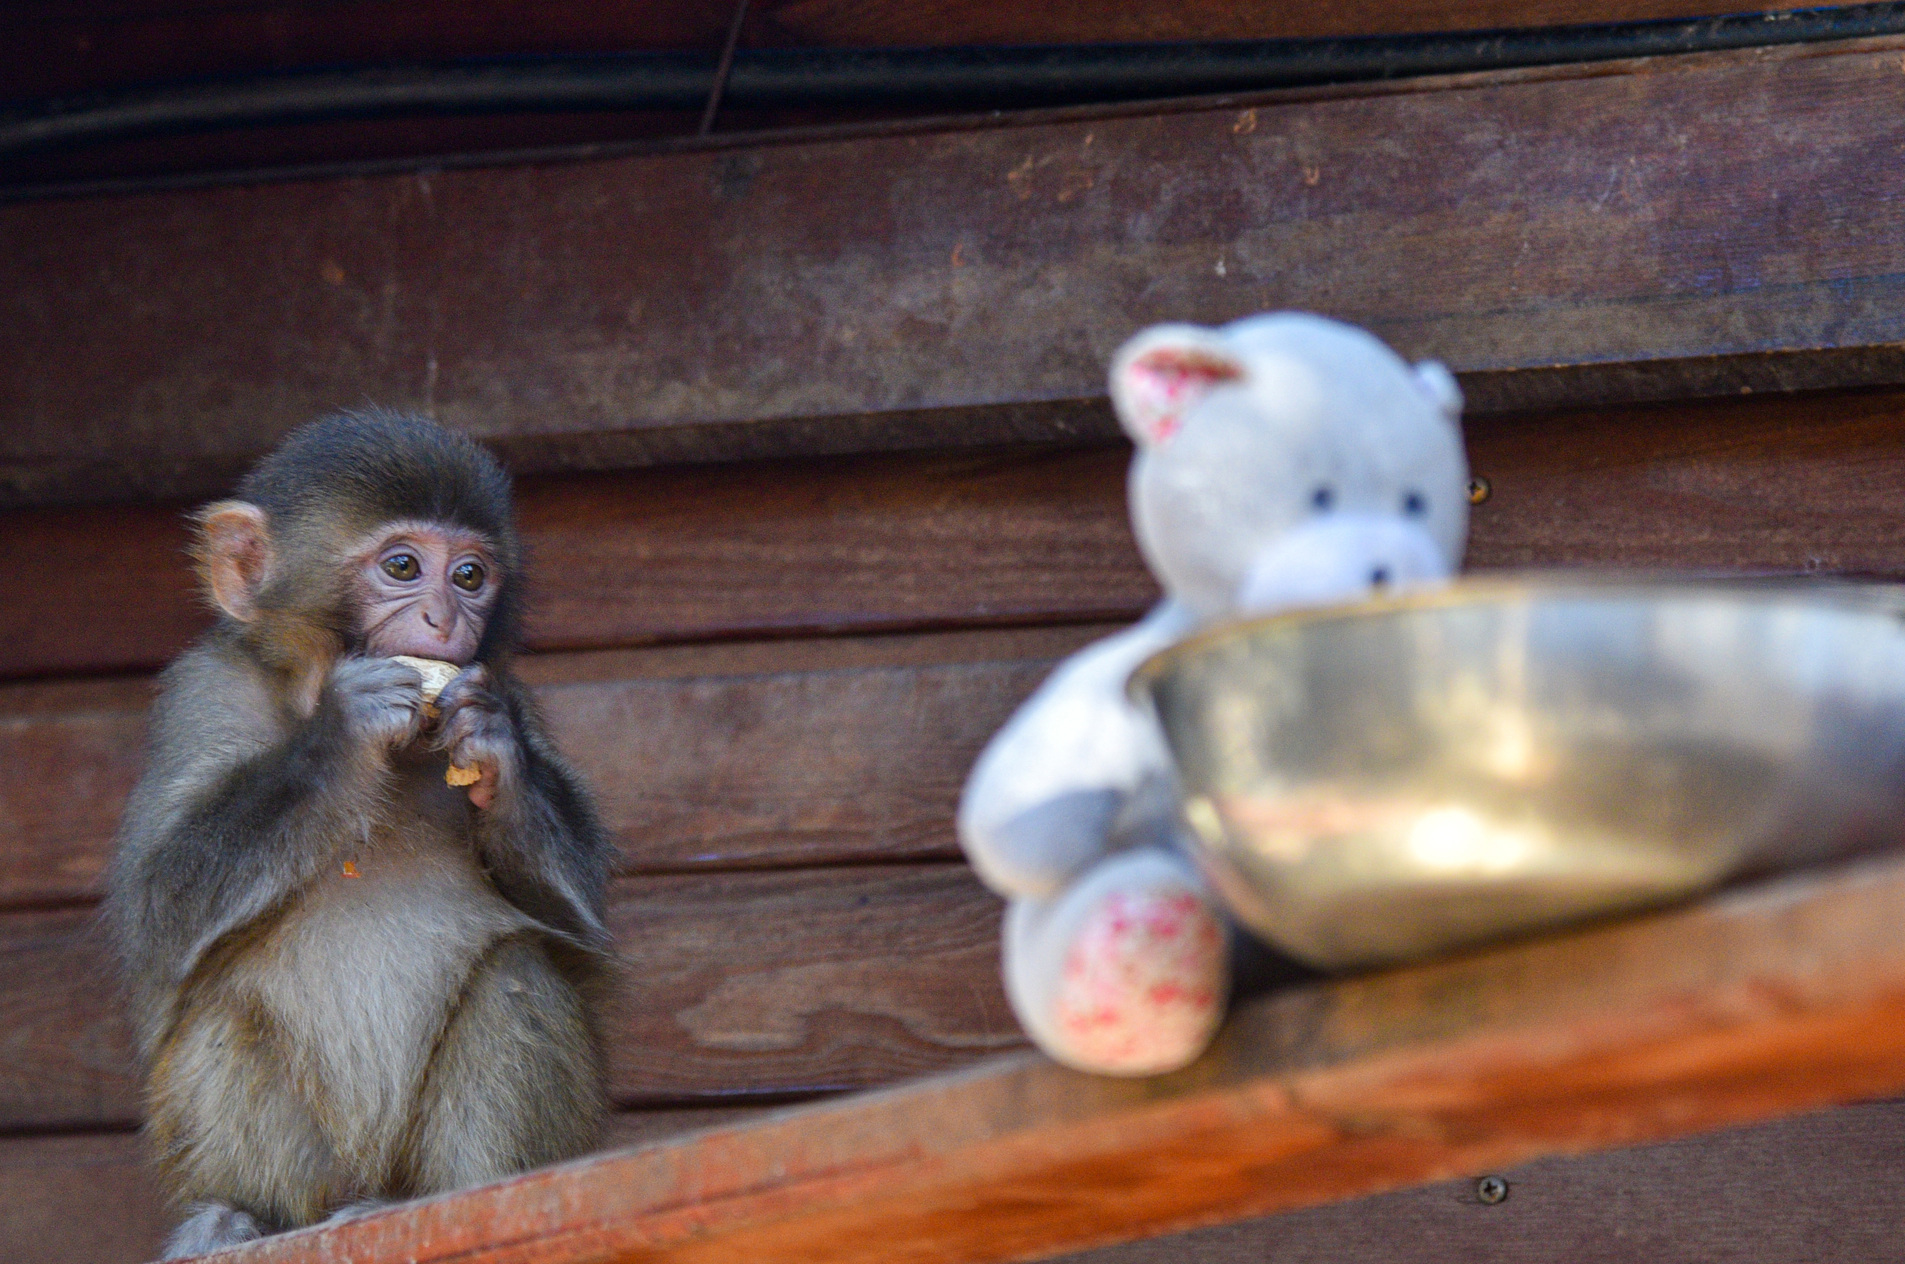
(233, 552)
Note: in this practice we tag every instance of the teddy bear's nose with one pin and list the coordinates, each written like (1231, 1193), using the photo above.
(1379, 578)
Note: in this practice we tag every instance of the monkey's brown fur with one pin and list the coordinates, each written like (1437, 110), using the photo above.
(348, 983)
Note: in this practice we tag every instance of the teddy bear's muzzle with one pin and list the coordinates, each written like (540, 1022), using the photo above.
(1337, 559)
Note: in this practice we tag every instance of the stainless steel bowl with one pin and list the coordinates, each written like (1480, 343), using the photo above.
(1381, 782)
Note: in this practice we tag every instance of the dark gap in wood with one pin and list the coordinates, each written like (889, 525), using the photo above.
(31, 1132)
(779, 137)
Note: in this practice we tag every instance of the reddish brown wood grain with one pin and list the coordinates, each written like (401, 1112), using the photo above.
(1792, 1192)
(731, 986)
(744, 755)
(792, 753)
(1768, 1002)
(854, 544)
(69, 755)
(84, 1199)
(1594, 223)
(1819, 1186)
(1781, 483)
(90, 1198)
(842, 545)
(1798, 482)
(802, 982)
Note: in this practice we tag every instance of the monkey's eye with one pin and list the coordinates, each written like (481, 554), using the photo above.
(401, 566)
(1323, 497)
(1414, 505)
(469, 576)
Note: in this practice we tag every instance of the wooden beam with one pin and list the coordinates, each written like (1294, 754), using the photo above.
(732, 986)
(84, 1199)
(863, 544)
(1774, 1000)
(1819, 1186)
(748, 755)
(1580, 235)
(90, 1198)
(1779, 1193)
(1777, 483)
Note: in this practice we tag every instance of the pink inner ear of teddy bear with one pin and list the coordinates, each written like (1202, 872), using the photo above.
(1166, 382)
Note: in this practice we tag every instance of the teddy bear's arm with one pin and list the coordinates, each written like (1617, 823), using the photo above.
(1049, 787)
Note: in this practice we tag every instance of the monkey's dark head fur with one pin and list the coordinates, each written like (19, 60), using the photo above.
(361, 469)
(336, 479)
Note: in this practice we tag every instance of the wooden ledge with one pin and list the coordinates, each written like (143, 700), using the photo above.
(1767, 1001)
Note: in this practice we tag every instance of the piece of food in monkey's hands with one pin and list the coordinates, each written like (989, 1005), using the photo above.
(437, 675)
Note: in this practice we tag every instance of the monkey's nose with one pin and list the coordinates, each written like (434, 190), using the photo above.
(429, 618)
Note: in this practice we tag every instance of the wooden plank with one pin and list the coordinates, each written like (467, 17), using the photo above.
(1585, 234)
(89, 1198)
(85, 1199)
(793, 763)
(732, 986)
(747, 755)
(803, 982)
(69, 755)
(1798, 483)
(840, 545)
(1783, 482)
(1823, 1185)
(1771, 1001)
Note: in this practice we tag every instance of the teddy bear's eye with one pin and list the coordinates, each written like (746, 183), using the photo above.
(1323, 497)
(1414, 505)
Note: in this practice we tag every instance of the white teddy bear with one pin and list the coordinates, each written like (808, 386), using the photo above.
(1282, 461)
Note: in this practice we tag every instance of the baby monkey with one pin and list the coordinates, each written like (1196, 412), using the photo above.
(351, 981)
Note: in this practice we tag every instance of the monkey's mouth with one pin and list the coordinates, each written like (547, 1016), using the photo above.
(460, 649)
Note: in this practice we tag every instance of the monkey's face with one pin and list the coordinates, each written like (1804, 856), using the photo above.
(426, 589)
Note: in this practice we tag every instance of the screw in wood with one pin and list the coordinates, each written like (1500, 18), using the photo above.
(1478, 490)
(1491, 1190)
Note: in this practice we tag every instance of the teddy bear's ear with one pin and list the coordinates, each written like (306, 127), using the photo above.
(1439, 385)
(1161, 373)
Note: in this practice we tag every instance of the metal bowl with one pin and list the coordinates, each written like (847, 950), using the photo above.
(1381, 782)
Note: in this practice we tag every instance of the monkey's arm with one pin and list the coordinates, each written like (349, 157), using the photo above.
(536, 830)
(238, 809)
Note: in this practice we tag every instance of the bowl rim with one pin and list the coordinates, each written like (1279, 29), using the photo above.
(1845, 592)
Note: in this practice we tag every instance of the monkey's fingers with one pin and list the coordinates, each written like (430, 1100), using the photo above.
(480, 776)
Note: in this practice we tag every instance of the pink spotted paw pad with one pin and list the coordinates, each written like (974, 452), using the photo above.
(1143, 983)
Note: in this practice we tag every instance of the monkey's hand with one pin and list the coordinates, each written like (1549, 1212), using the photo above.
(380, 702)
(476, 730)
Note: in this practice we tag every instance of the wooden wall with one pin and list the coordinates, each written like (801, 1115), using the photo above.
(792, 912)
(821, 483)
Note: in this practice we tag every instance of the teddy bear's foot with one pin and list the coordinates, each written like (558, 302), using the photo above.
(1127, 972)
